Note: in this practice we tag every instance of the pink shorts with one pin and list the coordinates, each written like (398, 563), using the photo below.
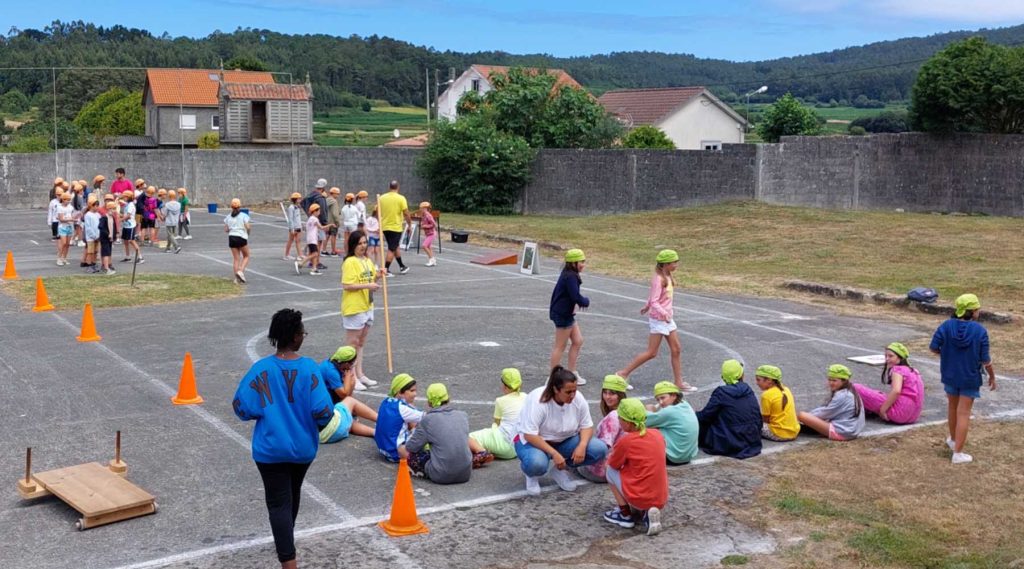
(428, 240)
(833, 435)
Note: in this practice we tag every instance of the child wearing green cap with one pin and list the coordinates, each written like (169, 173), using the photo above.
(962, 346)
(608, 431)
(636, 471)
(778, 408)
(842, 416)
(445, 430)
(903, 402)
(339, 379)
(660, 321)
(497, 439)
(564, 299)
(676, 421)
(730, 422)
(396, 417)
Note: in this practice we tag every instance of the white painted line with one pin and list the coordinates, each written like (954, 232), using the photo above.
(489, 344)
(271, 277)
(33, 241)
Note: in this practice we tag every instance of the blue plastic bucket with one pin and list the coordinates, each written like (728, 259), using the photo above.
(244, 210)
(211, 207)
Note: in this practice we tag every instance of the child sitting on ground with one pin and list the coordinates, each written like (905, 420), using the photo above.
(449, 460)
(340, 381)
(613, 391)
(636, 471)
(778, 409)
(842, 417)
(677, 422)
(903, 402)
(730, 423)
(497, 439)
(396, 417)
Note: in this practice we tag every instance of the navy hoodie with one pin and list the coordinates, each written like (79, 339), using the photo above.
(963, 348)
(566, 296)
(730, 423)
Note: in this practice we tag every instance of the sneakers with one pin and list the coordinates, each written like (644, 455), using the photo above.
(951, 444)
(687, 388)
(579, 380)
(533, 485)
(614, 516)
(287, 258)
(298, 267)
(388, 274)
(60, 262)
(187, 237)
(111, 271)
(367, 381)
(564, 481)
(962, 458)
(653, 518)
(315, 273)
(359, 385)
(141, 260)
(241, 276)
(482, 458)
(404, 270)
(320, 266)
(432, 262)
(177, 250)
(126, 260)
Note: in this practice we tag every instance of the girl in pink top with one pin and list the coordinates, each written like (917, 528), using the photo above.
(659, 316)
(429, 227)
(608, 431)
(902, 404)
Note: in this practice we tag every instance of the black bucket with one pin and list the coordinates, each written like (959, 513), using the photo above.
(460, 236)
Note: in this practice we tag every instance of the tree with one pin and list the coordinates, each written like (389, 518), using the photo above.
(971, 86)
(14, 102)
(126, 116)
(787, 117)
(209, 141)
(245, 63)
(888, 121)
(90, 118)
(647, 136)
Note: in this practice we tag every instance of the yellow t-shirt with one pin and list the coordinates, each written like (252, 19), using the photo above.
(506, 410)
(782, 422)
(356, 270)
(391, 207)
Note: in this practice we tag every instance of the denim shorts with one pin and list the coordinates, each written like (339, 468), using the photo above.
(972, 392)
(564, 322)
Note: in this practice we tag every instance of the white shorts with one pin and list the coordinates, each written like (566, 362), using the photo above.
(358, 321)
(661, 327)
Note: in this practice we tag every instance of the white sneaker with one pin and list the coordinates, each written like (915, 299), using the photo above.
(315, 273)
(962, 458)
(562, 478)
(432, 263)
(533, 485)
(653, 521)
(629, 387)
(80, 244)
(367, 381)
(285, 258)
(187, 237)
(404, 269)
(298, 268)
(579, 380)
(360, 386)
(951, 444)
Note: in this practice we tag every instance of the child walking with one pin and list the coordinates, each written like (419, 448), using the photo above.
(903, 403)
(294, 228)
(842, 417)
(962, 346)
(313, 229)
(613, 391)
(778, 409)
(564, 300)
(429, 227)
(170, 214)
(497, 439)
(659, 318)
(183, 221)
(637, 475)
(373, 236)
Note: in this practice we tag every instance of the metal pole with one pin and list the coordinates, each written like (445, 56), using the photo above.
(437, 109)
(56, 164)
(181, 131)
(427, 93)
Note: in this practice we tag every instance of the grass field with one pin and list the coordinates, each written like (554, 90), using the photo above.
(72, 292)
(827, 113)
(751, 248)
(354, 127)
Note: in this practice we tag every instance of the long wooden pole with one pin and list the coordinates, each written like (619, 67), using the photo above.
(384, 287)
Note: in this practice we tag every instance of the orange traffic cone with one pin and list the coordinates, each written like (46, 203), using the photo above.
(9, 272)
(187, 394)
(88, 327)
(403, 519)
(42, 301)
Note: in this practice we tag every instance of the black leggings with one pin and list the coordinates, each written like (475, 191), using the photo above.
(282, 483)
(53, 228)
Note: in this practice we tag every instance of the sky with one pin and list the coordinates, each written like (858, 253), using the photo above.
(737, 30)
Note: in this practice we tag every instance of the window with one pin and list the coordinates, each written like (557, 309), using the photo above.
(711, 144)
(476, 85)
(215, 122)
(187, 122)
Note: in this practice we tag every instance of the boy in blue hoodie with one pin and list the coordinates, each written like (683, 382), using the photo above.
(962, 346)
(730, 423)
(396, 418)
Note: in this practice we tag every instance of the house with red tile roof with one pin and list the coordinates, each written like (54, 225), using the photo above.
(691, 116)
(477, 79)
(266, 113)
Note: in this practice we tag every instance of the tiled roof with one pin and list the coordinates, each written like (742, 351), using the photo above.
(561, 77)
(267, 92)
(195, 87)
(130, 141)
(646, 106)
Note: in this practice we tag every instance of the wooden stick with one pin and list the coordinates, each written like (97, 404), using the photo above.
(28, 465)
(117, 447)
(384, 282)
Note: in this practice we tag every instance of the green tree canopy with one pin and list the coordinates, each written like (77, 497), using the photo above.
(90, 118)
(971, 86)
(14, 102)
(787, 117)
(647, 136)
(246, 63)
(126, 116)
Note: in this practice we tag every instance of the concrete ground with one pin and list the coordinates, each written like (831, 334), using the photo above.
(459, 323)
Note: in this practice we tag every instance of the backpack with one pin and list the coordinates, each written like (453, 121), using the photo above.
(923, 294)
(309, 200)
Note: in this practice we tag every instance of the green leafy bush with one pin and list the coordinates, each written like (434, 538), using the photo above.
(647, 136)
(209, 141)
(787, 117)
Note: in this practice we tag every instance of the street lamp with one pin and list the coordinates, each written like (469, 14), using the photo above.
(758, 91)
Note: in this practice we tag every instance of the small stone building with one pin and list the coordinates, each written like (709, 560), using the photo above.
(265, 113)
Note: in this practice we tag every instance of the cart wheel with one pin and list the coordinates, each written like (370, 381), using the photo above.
(79, 524)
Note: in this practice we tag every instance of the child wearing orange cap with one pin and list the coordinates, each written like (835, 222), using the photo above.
(129, 225)
(333, 218)
(237, 226)
(349, 216)
(429, 227)
(313, 228)
(294, 228)
(361, 204)
(65, 228)
(51, 211)
(107, 232)
(372, 229)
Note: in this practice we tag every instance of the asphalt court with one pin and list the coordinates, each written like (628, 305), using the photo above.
(457, 322)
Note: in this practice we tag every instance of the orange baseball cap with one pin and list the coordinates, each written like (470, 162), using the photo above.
(335, 191)
(235, 202)
(127, 194)
(139, 183)
(99, 178)
(349, 196)
(362, 194)
(314, 207)
(296, 196)
(58, 181)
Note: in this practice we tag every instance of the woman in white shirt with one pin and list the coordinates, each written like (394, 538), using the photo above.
(237, 225)
(555, 427)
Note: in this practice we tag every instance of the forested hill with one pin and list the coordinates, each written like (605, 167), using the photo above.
(393, 70)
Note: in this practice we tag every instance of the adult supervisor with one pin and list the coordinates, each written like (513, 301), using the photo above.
(393, 210)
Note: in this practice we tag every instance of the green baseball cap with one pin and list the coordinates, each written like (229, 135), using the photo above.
(732, 371)
(399, 383)
(664, 387)
(966, 302)
(614, 383)
(839, 371)
(437, 394)
(512, 379)
(344, 354)
(769, 371)
(898, 349)
(667, 256)
(574, 256)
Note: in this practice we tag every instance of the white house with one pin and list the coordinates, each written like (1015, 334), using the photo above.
(691, 116)
(477, 78)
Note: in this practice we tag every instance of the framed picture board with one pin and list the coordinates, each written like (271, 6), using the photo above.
(409, 236)
(530, 264)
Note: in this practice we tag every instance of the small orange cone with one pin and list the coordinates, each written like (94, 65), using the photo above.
(88, 327)
(9, 272)
(403, 519)
(42, 301)
(187, 394)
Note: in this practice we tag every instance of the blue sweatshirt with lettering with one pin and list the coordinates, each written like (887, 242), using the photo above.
(289, 403)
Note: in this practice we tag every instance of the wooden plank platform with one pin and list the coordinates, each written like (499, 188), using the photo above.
(101, 496)
(497, 258)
